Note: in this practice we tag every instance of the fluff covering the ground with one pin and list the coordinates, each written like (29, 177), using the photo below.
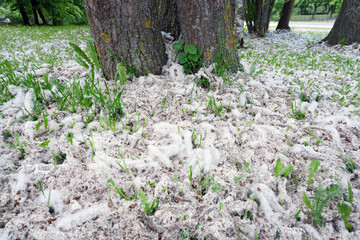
(171, 139)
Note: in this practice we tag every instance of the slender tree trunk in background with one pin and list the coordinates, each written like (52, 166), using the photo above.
(258, 14)
(332, 10)
(42, 16)
(129, 29)
(208, 24)
(168, 17)
(316, 5)
(23, 15)
(347, 24)
(285, 15)
(34, 9)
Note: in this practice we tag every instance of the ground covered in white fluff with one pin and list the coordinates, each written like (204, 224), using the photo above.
(209, 170)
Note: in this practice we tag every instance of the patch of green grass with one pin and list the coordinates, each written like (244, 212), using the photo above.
(296, 112)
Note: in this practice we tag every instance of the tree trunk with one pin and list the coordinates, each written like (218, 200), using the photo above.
(42, 16)
(168, 17)
(23, 15)
(208, 24)
(129, 30)
(316, 5)
(239, 22)
(34, 8)
(285, 15)
(332, 10)
(347, 24)
(258, 15)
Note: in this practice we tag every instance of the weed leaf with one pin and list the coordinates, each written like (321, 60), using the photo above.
(190, 49)
(178, 45)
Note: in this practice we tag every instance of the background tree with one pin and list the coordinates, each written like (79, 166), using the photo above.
(258, 14)
(37, 10)
(285, 15)
(55, 12)
(346, 29)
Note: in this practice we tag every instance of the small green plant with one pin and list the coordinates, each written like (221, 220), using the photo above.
(349, 163)
(297, 215)
(125, 168)
(149, 208)
(321, 197)
(69, 137)
(41, 188)
(246, 166)
(281, 170)
(111, 185)
(163, 101)
(314, 165)
(190, 56)
(344, 210)
(296, 112)
(303, 97)
(18, 144)
(203, 82)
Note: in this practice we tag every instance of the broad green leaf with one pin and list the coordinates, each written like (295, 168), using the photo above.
(178, 45)
(44, 144)
(278, 167)
(90, 48)
(193, 57)
(306, 200)
(122, 72)
(190, 49)
(182, 58)
(80, 52)
(80, 61)
(286, 170)
(199, 52)
(281, 170)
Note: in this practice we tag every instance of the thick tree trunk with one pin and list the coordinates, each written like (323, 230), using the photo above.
(130, 30)
(347, 24)
(168, 17)
(208, 24)
(258, 15)
(285, 15)
(34, 9)
(23, 15)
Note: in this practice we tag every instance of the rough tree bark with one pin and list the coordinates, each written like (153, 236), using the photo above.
(285, 15)
(208, 24)
(258, 14)
(24, 15)
(347, 24)
(131, 31)
(168, 17)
